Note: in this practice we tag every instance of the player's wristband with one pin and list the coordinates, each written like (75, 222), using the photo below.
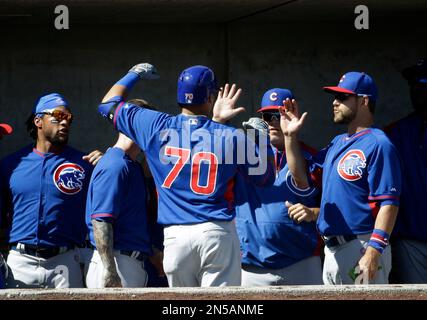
(129, 80)
(379, 240)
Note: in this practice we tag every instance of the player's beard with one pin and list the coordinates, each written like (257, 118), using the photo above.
(59, 141)
(341, 117)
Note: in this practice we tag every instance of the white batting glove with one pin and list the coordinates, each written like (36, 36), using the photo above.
(145, 71)
(258, 124)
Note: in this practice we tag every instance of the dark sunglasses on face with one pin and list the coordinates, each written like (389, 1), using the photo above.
(270, 116)
(59, 115)
(343, 96)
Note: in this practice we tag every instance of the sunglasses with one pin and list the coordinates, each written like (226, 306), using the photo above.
(343, 96)
(59, 115)
(270, 116)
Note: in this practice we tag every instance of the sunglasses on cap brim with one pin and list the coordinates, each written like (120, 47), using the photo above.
(270, 116)
(59, 115)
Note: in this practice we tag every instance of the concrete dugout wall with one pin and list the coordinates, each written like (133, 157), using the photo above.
(83, 62)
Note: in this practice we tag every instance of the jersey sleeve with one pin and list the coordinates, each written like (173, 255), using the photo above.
(108, 190)
(258, 163)
(138, 123)
(384, 175)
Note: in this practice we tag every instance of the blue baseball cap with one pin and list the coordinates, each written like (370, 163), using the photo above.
(273, 99)
(195, 85)
(357, 83)
(48, 102)
(416, 73)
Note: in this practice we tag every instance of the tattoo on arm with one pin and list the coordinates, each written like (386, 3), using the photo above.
(103, 233)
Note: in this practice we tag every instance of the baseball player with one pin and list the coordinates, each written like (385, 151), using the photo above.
(361, 184)
(409, 135)
(5, 129)
(189, 155)
(44, 192)
(278, 247)
(116, 215)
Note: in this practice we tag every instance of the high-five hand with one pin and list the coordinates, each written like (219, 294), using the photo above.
(224, 108)
(290, 122)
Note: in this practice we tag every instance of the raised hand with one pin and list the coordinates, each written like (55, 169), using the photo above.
(145, 71)
(290, 122)
(224, 108)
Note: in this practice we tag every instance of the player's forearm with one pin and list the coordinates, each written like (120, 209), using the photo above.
(296, 161)
(115, 91)
(384, 224)
(122, 87)
(103, 234)
(386, 218)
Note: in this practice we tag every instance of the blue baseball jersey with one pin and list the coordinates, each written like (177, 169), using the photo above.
(193, 161)
(361, 173)
(269, 238)
(409, 135)
(46, 194)
(117, 195)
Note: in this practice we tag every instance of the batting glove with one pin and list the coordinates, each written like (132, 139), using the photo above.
(145, 71)
(258, 124)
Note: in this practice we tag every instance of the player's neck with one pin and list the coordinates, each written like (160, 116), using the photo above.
(360, 123)
(45, 146)
(200, 110)
(279, 145)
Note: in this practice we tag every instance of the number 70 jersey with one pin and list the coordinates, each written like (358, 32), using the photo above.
(193, 161)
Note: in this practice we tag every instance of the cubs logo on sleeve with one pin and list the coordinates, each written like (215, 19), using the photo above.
(68, 178)
(351, 165)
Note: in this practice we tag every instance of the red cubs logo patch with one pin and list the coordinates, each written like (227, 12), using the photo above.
(351, 165)
(68, 178)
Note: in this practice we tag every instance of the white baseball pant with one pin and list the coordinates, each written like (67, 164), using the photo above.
(131, 271)
(202, 255)
(60, 271)
(341, 260)
(85, 255)
(305, 272)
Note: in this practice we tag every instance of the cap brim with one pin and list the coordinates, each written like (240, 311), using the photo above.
(268, 108)
(338, 89)
(5, 129)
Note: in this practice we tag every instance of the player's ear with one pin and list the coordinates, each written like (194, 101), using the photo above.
(38, 122)
(365, 101)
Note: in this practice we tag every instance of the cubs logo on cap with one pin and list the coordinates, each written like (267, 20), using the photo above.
(356, 83)
(351, 165)
(273, 99)
(68, 178)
